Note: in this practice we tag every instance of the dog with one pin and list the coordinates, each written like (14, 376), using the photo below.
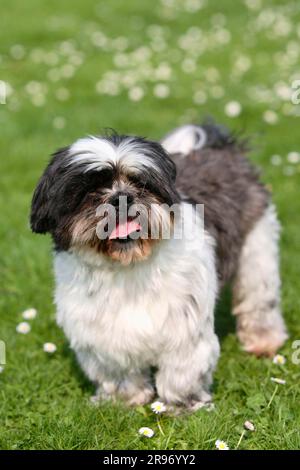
(139, 310)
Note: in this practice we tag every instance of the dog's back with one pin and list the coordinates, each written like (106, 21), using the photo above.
(212, 170)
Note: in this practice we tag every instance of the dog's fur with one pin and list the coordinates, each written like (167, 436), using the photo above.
(129, 309)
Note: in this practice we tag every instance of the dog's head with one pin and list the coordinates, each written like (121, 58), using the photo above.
(108, 194)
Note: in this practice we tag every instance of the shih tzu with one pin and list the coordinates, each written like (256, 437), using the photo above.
(138, 308)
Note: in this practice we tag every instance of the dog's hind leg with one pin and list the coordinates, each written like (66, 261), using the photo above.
(256, 290)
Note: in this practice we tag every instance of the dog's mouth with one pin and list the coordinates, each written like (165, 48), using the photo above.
(126, 232)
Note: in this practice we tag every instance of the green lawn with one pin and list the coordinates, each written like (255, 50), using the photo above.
(141, 67)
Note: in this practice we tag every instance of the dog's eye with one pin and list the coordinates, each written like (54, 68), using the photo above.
(105, 178)
(99, 180)
(140, 183)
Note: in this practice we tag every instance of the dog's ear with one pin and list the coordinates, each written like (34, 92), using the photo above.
(44, 208)
(40, 206)
(173, 170)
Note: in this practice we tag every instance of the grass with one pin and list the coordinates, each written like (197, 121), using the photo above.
(44, 399)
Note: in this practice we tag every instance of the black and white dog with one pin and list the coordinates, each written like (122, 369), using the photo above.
(131, 303)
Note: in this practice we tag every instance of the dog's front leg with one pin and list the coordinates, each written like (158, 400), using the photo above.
(134, 389)
(185, 373)
(112, 383)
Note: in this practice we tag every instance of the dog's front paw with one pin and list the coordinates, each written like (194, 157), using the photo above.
(191, 407)
(141, 397)
(105, 392)
(194, 406)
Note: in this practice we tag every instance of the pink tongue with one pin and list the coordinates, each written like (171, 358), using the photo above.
(125, 229)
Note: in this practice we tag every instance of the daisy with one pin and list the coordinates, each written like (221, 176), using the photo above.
(67, 70)
(38, 100)
(49, 348)
(158, 407)
(3, 92)
(136, 93)
(62, 94)
(270, 117)
(276, 160)
(147, 432)
(278, 381)
(161, 91)
(249, 426)
(23, 328)
(221, 445)
(288, 170)
(199, 97)
(293, 157)
(279, 359)
(59, 122)
(233, 109)
(29, 314)
(17, 51)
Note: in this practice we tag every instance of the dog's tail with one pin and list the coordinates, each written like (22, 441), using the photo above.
(188, 138)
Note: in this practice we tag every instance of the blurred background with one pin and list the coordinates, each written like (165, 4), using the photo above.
(68, 69)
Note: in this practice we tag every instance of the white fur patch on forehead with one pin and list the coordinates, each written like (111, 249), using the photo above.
(97, 153)
(184, 139)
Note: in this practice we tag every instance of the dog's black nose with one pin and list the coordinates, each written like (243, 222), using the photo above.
(115, 198)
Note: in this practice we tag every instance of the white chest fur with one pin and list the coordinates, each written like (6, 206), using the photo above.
(130, 315)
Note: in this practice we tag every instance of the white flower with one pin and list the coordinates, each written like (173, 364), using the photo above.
(62, 94)
(23, 328)
(253, 4)
(222, 36)
(59, 122)
(158, 407)
(188, 65)
(67, 70)
(98, 39)
(76, 59)
(121, 60)
(33, 87)
(37, 55)
(161, 90)
(17, 51)
(278, 381)
(163, 71)
(221, 445)
(212, 74)
(293, 157)
(279, 359)
(233, 109)
(136, 93)
(54, 74)
(38, 100)
(199, 97)
(147, 432)
(121, 43)
(1, 369)
(249, 426)
(283, 91)
(288, 170)
(217, 91)
(242, 64)
(51, 58)
(29, 314)
(270, 117)
(49, 348)
(276, 160)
